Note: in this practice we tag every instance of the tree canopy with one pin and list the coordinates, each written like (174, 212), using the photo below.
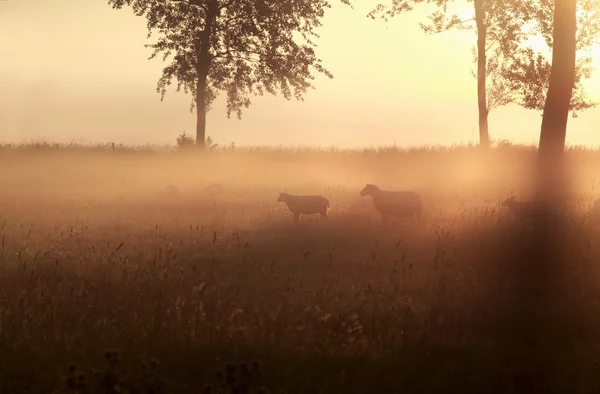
(511, 69)
(528, 71)
(239, 47)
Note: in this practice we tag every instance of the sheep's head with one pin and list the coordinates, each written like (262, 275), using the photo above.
(282, 197)
(369, 190)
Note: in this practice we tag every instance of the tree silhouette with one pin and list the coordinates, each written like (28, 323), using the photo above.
(528, 72)
(240, 47)
(499, 27)
(560, 89)
(507, 69)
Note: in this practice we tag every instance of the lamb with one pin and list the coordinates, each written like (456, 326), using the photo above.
(526, 209)
(307, 205)
(396, 204)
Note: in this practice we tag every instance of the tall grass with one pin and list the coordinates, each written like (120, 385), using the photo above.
(109, 285)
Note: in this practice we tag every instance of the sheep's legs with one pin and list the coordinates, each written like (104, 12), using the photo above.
(324, 216)
(295, 218)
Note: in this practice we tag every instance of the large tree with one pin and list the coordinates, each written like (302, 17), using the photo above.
(528, 71)
(560, 89)
(498, 25)
(240, 47)
(507, 70)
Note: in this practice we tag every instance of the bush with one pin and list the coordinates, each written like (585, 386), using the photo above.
(185, 141)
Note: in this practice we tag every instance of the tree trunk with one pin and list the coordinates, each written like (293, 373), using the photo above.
(547, 289)
(203, 63)
(201, 111)
(484, 137)
(558, 98)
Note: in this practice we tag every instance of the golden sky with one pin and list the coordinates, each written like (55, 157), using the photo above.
(77, 70)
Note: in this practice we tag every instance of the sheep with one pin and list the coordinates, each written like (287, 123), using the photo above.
(396, 204)
(526, 209)
(307, 205)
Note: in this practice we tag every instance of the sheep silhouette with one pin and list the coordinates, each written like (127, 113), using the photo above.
(397, 204)
(307, 205)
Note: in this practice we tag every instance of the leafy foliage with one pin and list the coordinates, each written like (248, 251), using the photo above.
(240, 47)
(528, 71)
(515, 71)
(503, 21)
(498, 24)
(184, 141)
(499, 90)
(528, 76)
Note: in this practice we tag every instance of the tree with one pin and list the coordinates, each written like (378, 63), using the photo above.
(507, 71)
(528, 77)
(560, 89)
(528, 73)
(499, 27)
(240, 47)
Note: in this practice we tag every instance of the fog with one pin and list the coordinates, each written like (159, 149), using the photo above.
(75, 73)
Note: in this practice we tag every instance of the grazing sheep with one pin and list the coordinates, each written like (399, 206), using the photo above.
(526, 209)
(395, 204)
(307, 205)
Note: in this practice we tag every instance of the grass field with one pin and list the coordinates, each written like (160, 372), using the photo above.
(103, 275)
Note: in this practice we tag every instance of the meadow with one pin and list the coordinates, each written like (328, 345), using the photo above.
(110, 285)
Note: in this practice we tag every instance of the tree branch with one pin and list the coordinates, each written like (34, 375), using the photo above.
(237, 55)
(195, 3)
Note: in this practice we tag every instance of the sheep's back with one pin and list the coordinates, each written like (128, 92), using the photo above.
(307, 204)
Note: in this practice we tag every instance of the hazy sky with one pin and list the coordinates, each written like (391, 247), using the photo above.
(78, 70)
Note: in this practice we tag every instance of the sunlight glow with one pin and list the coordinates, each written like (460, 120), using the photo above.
(388, 80)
